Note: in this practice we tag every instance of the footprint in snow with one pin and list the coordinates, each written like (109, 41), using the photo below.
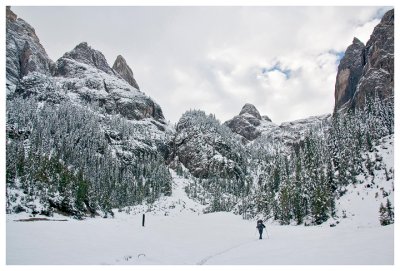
(128, 258)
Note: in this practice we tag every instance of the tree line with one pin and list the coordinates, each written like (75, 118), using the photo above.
(78, 161)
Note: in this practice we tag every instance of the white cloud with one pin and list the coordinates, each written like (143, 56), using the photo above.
(363, 32)
(212, 58)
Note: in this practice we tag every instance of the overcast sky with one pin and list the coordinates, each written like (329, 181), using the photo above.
(281, 59)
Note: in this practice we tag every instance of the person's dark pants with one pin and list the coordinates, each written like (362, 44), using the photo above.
(260, 230)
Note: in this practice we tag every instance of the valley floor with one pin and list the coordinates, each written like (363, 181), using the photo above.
(177, 233)
(218, 238)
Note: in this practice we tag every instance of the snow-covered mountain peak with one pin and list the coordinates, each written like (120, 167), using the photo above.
(250, 126)
(250, 110)
(85, 54)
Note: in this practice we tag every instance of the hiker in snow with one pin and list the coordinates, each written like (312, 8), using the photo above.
(260, 227)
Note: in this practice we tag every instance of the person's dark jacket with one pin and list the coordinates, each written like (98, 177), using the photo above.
(260, 226)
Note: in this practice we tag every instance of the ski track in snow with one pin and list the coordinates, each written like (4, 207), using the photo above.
(206, 259)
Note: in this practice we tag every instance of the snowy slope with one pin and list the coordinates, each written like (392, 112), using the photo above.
(361, 203)
(177, 204)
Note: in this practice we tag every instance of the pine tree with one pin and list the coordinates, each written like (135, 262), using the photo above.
(383, 217)
(285, 205)
(390, 212)
(386, 214)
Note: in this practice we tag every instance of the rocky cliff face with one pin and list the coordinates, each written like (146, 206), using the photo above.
(85, 72)
(367, 71)
(378, 72)
(24, 53)
(349, 73)
(246, 123)
(122, 68)
(207, 148)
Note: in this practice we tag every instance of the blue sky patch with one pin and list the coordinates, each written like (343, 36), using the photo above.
(277, 67)
(339, 55)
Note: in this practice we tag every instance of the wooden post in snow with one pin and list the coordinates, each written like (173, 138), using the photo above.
(143, 220)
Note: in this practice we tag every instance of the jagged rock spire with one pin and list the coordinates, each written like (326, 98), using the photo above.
(122, 68)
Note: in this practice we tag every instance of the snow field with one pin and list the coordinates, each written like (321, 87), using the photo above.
(177, 233)
(217, 238)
